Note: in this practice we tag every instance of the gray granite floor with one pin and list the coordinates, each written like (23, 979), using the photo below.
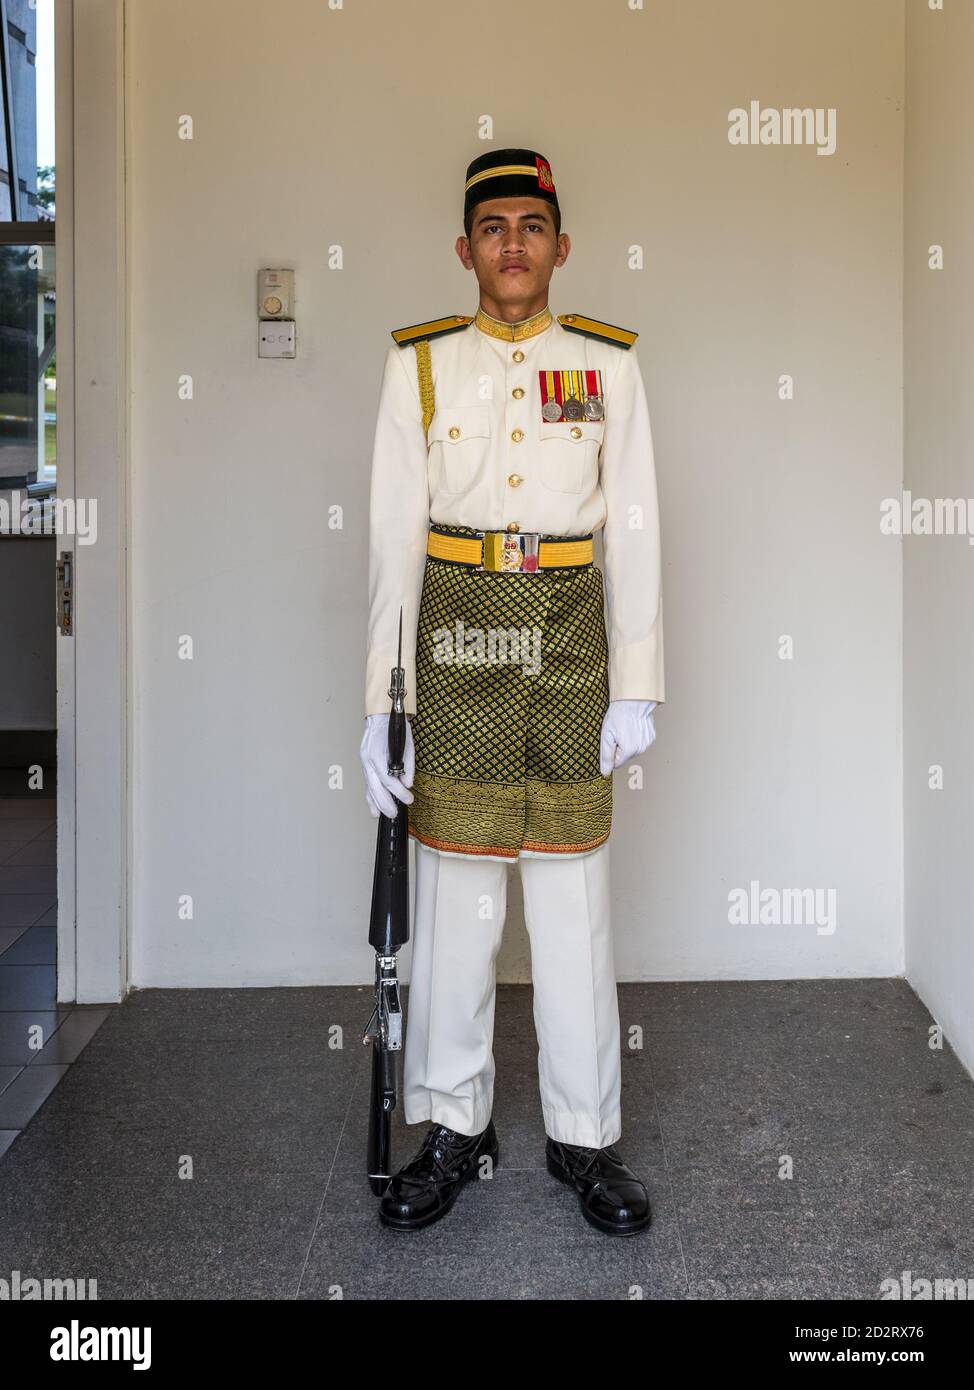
(210, 1144)
(799, 1139)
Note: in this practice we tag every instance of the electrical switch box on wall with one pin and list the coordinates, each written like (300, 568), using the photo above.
(275, 309)
(275, 294)
(276, 339)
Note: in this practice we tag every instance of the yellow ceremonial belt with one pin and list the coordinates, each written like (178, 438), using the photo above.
(505, 551)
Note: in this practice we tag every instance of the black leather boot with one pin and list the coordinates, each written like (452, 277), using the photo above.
(426, 1188)
(611, 1196)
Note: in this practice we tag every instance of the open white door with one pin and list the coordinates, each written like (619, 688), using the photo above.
(92, 399)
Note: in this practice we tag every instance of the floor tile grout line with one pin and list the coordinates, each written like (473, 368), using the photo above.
(666, 1168)
(37, 920)
(26, 844)
(21, 1066)
(45, 824)
(324, 1195)
(20, 931)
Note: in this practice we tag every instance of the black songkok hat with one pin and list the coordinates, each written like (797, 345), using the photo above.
(508, 174)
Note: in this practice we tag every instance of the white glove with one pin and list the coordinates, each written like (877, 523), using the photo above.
(381, 789)
(627, 730)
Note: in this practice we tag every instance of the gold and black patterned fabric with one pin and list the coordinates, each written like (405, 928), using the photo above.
(511, 689)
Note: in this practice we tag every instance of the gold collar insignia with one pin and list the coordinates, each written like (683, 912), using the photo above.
(513, 332)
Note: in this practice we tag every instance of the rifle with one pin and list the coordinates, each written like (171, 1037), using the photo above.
(388, 932)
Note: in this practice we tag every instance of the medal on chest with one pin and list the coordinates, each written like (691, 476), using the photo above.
(572, 394)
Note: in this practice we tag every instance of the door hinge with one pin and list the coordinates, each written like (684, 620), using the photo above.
(65, 594)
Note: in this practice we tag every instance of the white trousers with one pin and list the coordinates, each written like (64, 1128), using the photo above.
(458, 924)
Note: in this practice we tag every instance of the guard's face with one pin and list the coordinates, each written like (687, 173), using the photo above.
(513, 249)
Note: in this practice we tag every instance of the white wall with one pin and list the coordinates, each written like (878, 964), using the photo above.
(354, 127)
(938, 589)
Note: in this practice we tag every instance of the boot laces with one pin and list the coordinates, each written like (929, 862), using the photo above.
(436, 1147)
(586, 1157)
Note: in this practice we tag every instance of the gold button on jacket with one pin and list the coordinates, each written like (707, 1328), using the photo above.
(573, 478)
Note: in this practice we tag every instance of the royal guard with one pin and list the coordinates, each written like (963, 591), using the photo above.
(505, 441)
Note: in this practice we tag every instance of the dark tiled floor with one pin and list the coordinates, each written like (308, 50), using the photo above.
(38, 1038)
(210, 1144)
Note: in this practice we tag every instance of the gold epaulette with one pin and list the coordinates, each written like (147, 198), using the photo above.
(435, 328)
(595, 328)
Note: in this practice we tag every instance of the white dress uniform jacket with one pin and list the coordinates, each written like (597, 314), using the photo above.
(493, 462)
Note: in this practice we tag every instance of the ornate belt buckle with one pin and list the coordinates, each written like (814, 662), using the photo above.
(511, 552)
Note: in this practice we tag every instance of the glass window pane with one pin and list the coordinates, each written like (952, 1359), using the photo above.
(28, 424)
(30, 57)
